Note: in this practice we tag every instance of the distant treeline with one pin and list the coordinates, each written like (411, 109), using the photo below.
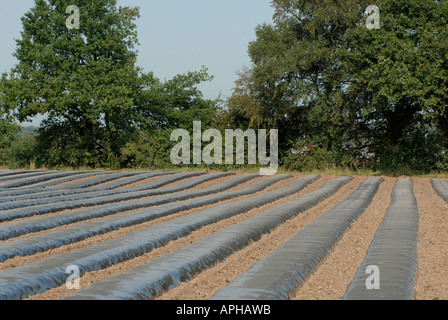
(341, 94)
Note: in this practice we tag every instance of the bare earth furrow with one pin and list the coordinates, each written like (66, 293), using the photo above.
(100, 202)
(207, 283)
(98, 197)
(432, 279)
(180, 226)
(200, 235)
(13, 230)
(19, 261)
(157, 180)
(282, 272)
(167, 271)
(22, 176)
(332, 277)
(46, 274)
(393, 251)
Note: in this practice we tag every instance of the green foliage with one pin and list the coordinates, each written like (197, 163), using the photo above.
(60, 145)
(397, 75)
(365, 98)
(297, 76)
(421, 151)
(143, 152)
(176, 103)
(85, 80)
(8, 131)
(17, 150)
(87, 84)
(307, 157)
(22, 153)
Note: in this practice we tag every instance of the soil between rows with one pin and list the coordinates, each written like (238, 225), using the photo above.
(201, 186)
(332, 276)
(19, 261)
(204, 285)
(92, 277)
(432, 249)
(68, 183)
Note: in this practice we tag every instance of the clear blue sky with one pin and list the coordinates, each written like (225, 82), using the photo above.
(175, 36)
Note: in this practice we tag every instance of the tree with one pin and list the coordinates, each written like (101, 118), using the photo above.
(85, 80)
(8, 132)
(397, 76)
(324, 79)
(295, 81)
(175, 103)
(241, 110)
(163, 107)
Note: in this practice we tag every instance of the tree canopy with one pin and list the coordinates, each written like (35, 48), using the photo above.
(325, 79)
(85, 80)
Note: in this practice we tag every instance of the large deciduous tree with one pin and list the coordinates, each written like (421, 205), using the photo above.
(296, 78)
(322, 77)
(84, 80)
(397, 75)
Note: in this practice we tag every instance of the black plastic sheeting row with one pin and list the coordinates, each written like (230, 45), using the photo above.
(38, 277)
(10, 174)
(44, 176)
(178, 177)
(151, 279)
(56, 181)
(102, 178)
(174, 229)
(6, 173)
(279, 275)
(24, 174)
(28, 194)
(41, 186)
(98, 200)
(132, 179)
(30, 182)
(167, 180)
(441, 188)
(99, 180)
(109, 181)
(38, 190)
(106, 196)
(38, 224)
(393, 250)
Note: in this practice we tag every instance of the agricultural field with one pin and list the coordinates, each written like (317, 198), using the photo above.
(221, 236)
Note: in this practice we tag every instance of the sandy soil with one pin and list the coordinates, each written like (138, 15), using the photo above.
(432, 277)
(204, 285)
(96, 276)
(64, 184)
(203, 185)
(19, 261)
(331, 278)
